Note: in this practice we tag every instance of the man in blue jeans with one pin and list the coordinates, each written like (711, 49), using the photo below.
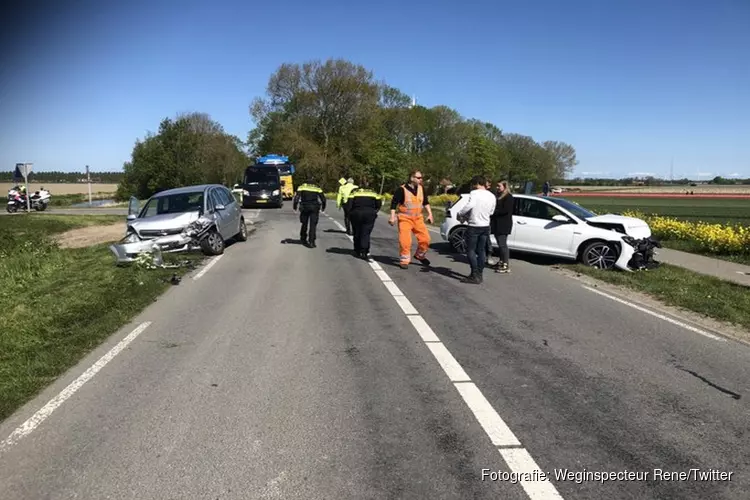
(478, 209)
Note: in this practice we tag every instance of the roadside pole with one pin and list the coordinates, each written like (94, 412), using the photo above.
(88, 180)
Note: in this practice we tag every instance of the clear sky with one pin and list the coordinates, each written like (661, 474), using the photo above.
(631, 85)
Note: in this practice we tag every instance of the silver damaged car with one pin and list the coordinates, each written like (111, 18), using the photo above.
(180, 219)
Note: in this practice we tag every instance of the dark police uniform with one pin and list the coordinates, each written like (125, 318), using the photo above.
(364, 206)
(311, 200)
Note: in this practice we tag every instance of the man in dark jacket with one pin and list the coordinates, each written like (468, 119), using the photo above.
(502, 224)
(311, 200)
(363, 206)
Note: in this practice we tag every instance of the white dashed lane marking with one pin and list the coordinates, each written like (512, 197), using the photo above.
(517, 458)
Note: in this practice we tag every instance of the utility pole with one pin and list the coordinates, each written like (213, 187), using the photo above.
(671, 171)
(88, 180)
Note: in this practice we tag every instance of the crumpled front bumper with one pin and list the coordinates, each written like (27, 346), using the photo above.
(188, 240)
(635, 253)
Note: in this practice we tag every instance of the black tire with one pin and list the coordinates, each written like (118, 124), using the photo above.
(457, 239)
(599, 254)
(11, 209)
(242, 234)
(213, 243)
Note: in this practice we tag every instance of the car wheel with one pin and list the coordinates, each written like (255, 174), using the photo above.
(213, 243)
(242, 235)
(599, 254)
(457, 239)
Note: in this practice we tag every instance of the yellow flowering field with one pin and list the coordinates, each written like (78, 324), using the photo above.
(723, 239)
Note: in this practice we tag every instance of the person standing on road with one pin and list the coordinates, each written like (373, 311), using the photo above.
(491, 261)
(343, 196)
(478, 210)
(502, 224)
(409, 200)
(311, 201)
(364, 205)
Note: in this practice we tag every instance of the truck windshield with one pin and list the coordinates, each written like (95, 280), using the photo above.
(262, 177)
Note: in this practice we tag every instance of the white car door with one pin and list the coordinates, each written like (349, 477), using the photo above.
(536, 231)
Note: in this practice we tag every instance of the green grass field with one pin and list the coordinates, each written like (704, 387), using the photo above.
(58, 304)
(711, 210)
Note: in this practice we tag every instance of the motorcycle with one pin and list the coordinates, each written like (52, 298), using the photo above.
(39, 201)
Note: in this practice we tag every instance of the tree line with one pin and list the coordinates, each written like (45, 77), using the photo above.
(335, 119)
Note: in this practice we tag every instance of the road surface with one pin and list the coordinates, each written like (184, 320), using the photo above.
(296, 373)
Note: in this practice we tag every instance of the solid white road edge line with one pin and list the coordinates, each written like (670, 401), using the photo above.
(655, 314)
(207, 267)
(39, 417)
(519, 460)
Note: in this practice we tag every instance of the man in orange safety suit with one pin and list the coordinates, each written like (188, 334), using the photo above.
(409, 200)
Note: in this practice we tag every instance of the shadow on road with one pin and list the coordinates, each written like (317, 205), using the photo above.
(538, 260)
(291, 241)
(341, 251)
(385, 259)
(335, 231)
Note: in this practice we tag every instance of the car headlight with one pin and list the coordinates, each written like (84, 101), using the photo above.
(276, 192)
(246, 192)
(131, 237)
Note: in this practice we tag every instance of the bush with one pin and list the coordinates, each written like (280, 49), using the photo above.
(720, 239)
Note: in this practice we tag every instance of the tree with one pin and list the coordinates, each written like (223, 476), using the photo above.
(564, 157)
(334, 119)
(190, 149)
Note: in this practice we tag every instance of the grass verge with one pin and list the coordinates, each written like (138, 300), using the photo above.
(56, 305)
(718, 299)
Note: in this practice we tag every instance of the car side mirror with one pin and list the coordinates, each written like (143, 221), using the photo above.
(220, 207)
(132, 216)
(561, 219)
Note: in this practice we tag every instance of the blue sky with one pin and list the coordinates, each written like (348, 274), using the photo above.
(631, 85)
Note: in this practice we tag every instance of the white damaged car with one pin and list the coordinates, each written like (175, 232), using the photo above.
(557, 227)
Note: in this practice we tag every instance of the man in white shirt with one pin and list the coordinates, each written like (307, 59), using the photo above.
(479, 208)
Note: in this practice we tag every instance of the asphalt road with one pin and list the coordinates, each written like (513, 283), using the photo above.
(288, 372)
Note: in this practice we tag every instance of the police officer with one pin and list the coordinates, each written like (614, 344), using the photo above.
(364, 206)
(311, 200)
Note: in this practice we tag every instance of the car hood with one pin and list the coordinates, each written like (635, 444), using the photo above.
(165, 221)
(637, 228)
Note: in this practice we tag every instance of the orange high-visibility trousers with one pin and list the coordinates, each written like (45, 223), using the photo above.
(406, 226)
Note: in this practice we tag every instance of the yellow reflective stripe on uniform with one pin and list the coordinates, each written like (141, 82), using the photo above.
(368, 194)
(308, 187)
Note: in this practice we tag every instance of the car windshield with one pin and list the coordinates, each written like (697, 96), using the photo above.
(262, 177)
(173, 204)
(573, 208)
